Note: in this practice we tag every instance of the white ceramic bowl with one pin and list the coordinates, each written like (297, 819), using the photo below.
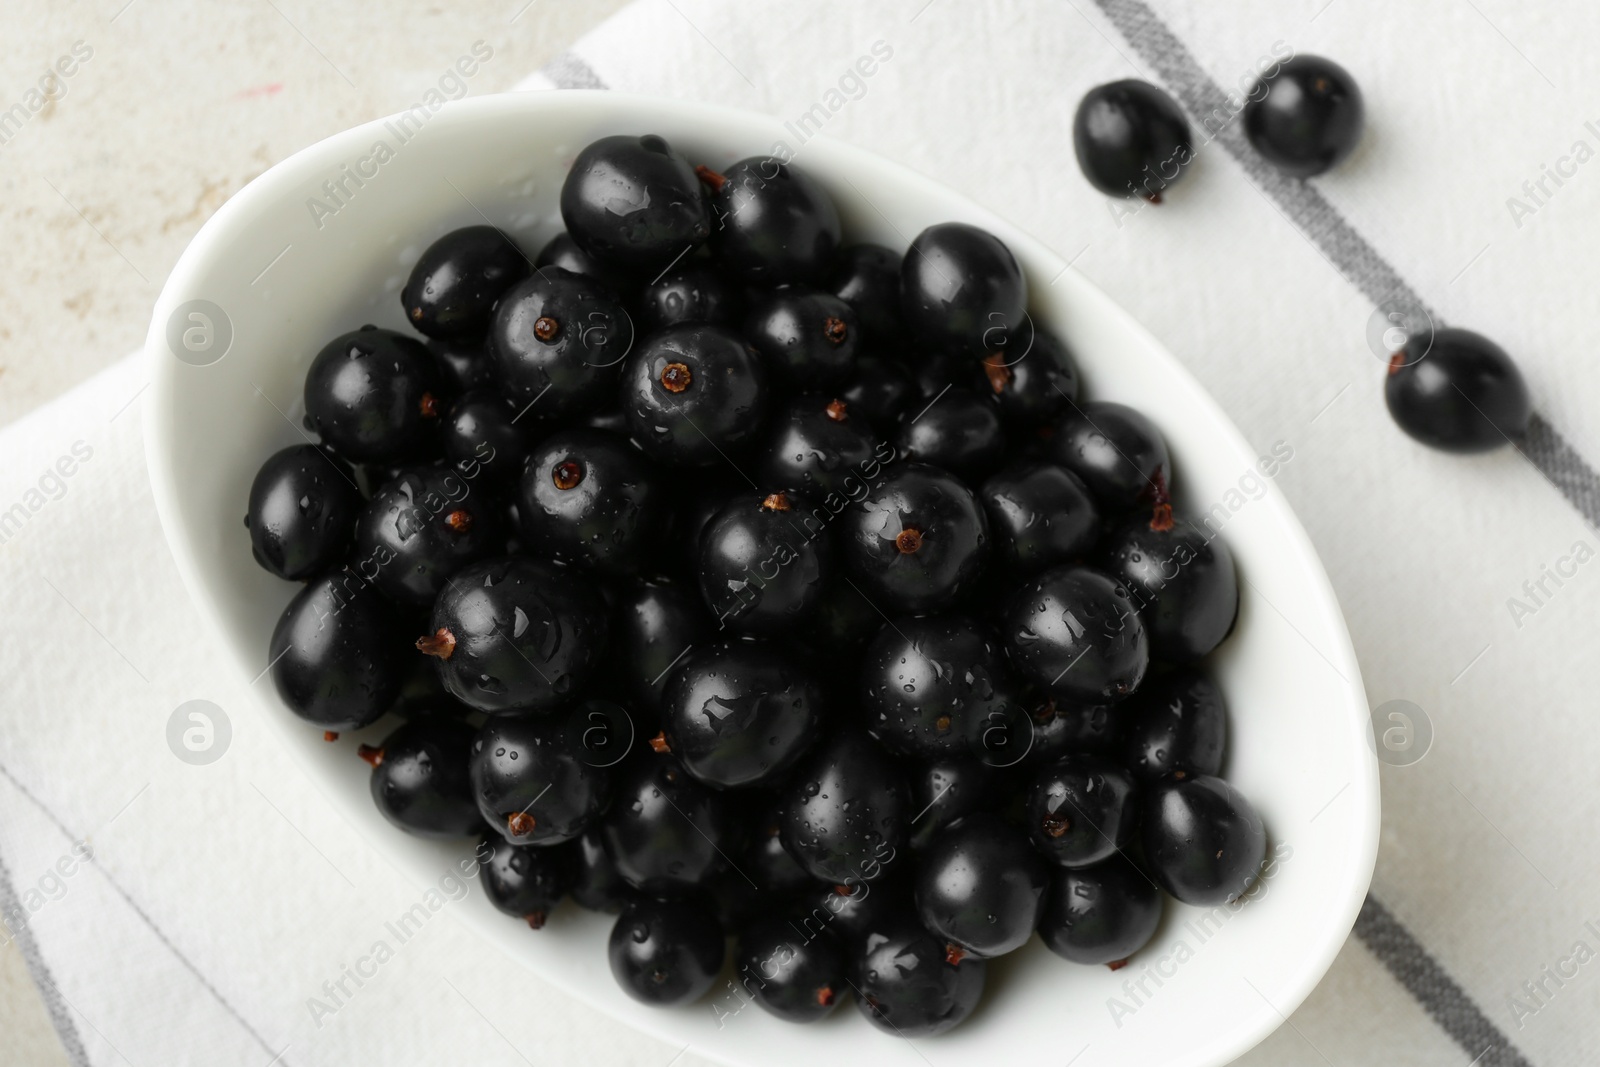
(282, 276)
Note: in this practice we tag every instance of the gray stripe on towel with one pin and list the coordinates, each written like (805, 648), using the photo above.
(65, 1029)
(570, 72)
(1416, 969)
(278, 1059)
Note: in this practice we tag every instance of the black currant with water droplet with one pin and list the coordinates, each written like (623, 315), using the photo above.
(980, 886)
(524, 881)
(302, 511)
(515, 633)
(1082, 809)
(458, 279)
(592, 498)
(1100, 914)
(740, 714)
(665, 952)
(633, 203)
(532, 784)
(421, 528)
(917, 541)
(765, 561)
(846, 814)
(1078, 632)
(1177, 722)
(820, 445)
(419, 777)
(666, 833)
(694, 394)
(559, 341)
(930, 684)
(375, 396)
(911, 984)
(689, 292)
(1183, 578)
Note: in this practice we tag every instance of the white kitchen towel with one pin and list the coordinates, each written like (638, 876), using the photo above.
(181, 912)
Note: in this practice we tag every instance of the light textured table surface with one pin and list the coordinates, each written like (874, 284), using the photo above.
(179, 104)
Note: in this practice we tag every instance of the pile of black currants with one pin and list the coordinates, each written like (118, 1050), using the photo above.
(757, 585)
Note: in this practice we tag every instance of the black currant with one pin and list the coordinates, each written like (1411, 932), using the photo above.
(1033, 386)
(846, 811)
(524, 881)
(336, 655)
(302, 512)
(514, 633)
(420, 781)
(666, 833)
(959, 431)
(1081, 810)
(879, 389)
(559, 341)
(1077, 632)
(1100, 914)
(821, 447)
(456, 282)
(689, 292)
(633, 203)
(1184, 581)
(591, 497)
(694, 394)
(771, 223)
(374, 396)
(655, 626)
(532, 783)
(930, 684)
(1305, 117)
(946, 790)
(485, 436)
(740, 714)
(1203, 840)
(867, 277)
(917, 540)
(1119, 454)
(807, 338)
(1176, 722)
(962, 292)
(980, 886)
(797, 978)
(1131, 139)
(1040, 514)
(1457, 391)
(764, 562)
(666, 952)
(422, 527)
(912, 984)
